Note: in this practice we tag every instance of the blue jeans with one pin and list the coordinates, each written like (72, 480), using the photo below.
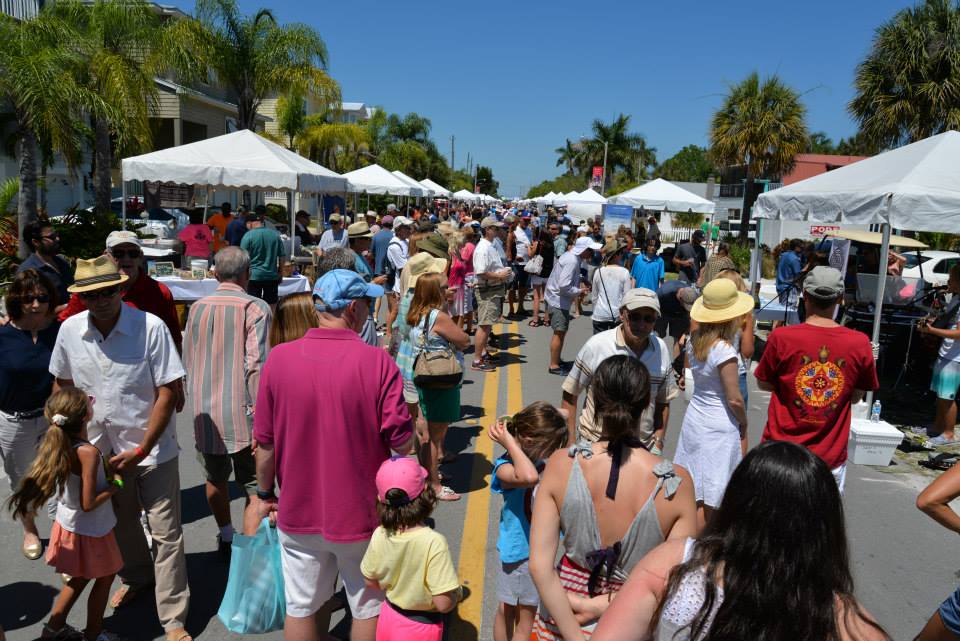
(743, 387)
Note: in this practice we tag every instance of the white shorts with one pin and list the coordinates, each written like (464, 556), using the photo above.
(410, 394)
(310, 566)
(840, 476)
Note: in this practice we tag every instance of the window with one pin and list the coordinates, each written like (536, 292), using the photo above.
(943, 267)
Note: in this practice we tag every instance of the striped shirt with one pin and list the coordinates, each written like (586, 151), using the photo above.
(224, 348)
(600, 347)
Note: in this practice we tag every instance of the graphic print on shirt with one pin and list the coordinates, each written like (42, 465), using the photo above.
(818, 383)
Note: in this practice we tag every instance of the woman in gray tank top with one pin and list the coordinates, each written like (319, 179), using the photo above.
(771, 564)
(611, 500)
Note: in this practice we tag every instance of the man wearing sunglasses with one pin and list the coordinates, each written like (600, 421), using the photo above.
(139, 291)
(44, 244)
(639, 310)
(126, 358)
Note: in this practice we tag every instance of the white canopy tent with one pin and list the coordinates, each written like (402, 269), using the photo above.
(416, 188)
(915, 187)
(374, 179)
(239, 160)
(467, 196)
(663, 195)
(590, 196)
(586, 204)
(437, 189)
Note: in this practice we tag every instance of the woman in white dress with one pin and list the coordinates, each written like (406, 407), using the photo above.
(713, 438)
(610, 283)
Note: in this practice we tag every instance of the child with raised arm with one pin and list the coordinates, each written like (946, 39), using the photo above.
(529, 437)
(82, 544)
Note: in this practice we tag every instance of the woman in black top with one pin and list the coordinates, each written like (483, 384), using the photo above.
(542, 246)
(26, 343)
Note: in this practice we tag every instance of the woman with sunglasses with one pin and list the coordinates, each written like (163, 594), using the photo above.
(26, 343)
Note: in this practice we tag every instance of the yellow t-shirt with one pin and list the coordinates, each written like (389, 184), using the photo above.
(412, 566)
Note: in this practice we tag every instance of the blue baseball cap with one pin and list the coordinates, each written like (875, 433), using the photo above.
(339, 287)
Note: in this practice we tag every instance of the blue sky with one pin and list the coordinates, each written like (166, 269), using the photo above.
(512, 79)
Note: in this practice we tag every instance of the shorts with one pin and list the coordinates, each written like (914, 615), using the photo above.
(950, 612)
(559, 318)
(537, 281)
(440, 405)
(462, 301)
(515, 585)
(310, 566)
(674, 326)
(217, 468)
(946, 379)
(410, 394)
(264, 289)
(489, 305)
(521, 279)
(394, 626)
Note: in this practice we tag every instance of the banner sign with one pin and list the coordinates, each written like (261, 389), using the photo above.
(168, 196)
(597, 178)
(839, 253)
(823, 230)
(616, 215)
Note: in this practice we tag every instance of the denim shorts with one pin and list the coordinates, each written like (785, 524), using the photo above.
(950, 612)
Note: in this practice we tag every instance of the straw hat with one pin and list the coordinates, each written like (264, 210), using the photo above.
(96, 273)
(359, 229)
(721, 301)
(422, 263)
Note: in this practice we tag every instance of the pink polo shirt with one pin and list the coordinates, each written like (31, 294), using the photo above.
(332, 406)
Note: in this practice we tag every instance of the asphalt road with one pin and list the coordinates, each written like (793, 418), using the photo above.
(903, 562)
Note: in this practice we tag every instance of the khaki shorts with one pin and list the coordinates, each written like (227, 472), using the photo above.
(559, 318)
(217, 468)
(489, 305)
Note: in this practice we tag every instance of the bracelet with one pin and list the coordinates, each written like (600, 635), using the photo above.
(266, 495)
(139, 452)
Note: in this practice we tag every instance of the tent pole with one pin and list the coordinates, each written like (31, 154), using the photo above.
(293, 223)
(881, 285)
(123, 202)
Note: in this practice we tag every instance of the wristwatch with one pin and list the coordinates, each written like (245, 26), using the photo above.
(266, 495)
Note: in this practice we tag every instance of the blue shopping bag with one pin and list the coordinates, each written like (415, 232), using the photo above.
(253, 602)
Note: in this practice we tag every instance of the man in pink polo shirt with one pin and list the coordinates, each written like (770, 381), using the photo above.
(329, 410)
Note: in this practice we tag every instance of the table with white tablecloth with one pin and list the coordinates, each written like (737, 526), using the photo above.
(191, 290)
(773, 310)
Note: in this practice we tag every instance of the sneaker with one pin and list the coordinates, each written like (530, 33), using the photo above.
(918, 430)
(482, 366)
(939, 441)
(224, 548)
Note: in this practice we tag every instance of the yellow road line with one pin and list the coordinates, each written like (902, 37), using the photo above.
(473, 545)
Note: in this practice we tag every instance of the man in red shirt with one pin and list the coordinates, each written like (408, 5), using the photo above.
(816, 370)
(141, 292)
(323, 440)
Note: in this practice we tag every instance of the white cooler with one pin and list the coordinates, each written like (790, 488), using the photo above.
(872, 443)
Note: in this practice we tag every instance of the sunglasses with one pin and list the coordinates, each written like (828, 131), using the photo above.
(644, 318)
(40, 298)
(124, 253)
(107, 292)
(53, 236)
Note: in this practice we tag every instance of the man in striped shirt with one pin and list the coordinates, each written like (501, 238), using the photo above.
(224, 348)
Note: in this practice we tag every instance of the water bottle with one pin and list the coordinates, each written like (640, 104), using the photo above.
(875, 412)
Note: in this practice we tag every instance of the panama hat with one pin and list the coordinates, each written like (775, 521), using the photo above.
(420, 264)
(721, 301)
(96, 273)
(359, 230)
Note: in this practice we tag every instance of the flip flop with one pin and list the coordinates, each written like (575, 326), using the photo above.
(447, 494)
(534, 323)
(178, 634)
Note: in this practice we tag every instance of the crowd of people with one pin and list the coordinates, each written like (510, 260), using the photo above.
(94, 367)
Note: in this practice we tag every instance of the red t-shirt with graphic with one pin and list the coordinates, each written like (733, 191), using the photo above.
(814, 371)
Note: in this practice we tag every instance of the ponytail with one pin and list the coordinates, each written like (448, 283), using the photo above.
(66, 412)
(620, 390)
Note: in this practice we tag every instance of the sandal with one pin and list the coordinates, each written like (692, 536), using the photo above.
(178, 634)
(125, 594)
(535, 323)
(942, 461)
(447, 494)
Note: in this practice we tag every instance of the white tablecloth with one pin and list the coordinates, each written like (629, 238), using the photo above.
(772, 310)
(190, 290)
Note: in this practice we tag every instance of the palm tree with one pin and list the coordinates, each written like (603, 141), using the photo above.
(624, 150)
(37, 82)
(568, 155)
(908, 87)
(759, 125)
(122, 47)
(335, 145)
(254, 57)
(291, 116)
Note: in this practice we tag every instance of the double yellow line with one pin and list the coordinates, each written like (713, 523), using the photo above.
(473, 544)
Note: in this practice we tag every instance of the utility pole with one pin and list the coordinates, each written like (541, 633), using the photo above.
(452, 165)
(603, 185)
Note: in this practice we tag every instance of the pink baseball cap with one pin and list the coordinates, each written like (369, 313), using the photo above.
(400, 473)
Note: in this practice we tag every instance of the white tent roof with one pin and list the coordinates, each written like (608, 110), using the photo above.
(915, 187)
(663, 195)
(418, 189)
(437, 189)
(585, 196)
(463, 194)
(374, 179)
(238, 160)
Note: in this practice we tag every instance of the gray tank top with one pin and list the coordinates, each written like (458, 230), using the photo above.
(581, 533)
(70, 515)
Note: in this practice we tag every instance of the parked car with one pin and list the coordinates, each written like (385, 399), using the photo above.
(163, 223)
(936, 265)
